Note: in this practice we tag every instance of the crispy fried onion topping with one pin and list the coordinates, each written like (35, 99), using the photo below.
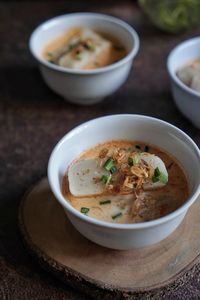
(135, 177)
(129, 178)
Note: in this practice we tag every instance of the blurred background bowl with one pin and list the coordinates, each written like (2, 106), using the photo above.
(186, 99)
(77, 85)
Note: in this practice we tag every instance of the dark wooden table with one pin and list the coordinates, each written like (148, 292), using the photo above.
(33, 119)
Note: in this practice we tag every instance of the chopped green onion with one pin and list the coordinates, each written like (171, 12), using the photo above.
(113, 170)
(91, 48)
(104, 202)
(51, 61)
(133, 161)
(106, 179)
(130, 161)
(108, 164)
(156, 175)
(157, 172)
(84, 210)
(109, 178)
(88, 45)
(163, 178)
(146, 148)
(159, 176)
(78, 56)
(137, 147)
(155, 179)
(117, 216)
(72, 46)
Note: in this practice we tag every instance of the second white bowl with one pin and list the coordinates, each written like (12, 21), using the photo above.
(186, 99)
(85, 86)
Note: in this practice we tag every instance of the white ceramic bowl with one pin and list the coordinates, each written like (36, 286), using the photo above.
(131, 127)
(84, 86)
(186, 99)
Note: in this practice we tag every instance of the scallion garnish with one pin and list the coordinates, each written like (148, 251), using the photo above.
(72, 46)
(133, 161)
(113, 170)
(84, 210)
(91, 48)
(105, 179)
(105, 202)
(78, 56)
(163, 178)
(108, 164)
(117, 216)
(155, 179)
(159, 176)
(130, 161)
(138, 147)
(89, 45)
(51, 61)
(157, 172)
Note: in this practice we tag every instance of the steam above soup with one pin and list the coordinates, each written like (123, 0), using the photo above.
(83, 48)
(125, 182)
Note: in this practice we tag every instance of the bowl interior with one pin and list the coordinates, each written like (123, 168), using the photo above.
(130, 127)
(57, 26)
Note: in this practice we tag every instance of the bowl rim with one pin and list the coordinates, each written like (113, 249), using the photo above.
(171, 71)
(67, 206)
(104, 17)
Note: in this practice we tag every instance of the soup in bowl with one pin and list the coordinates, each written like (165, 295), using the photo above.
(125, 181)
(85, 49)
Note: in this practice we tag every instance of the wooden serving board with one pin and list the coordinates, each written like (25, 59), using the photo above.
(101, 272)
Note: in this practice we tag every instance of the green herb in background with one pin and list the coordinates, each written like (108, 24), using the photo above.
(172, 16)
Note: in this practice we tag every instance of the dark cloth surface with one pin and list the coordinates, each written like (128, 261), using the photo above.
(33, 119)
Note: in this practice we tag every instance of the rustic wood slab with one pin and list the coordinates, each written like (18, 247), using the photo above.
(97, 270)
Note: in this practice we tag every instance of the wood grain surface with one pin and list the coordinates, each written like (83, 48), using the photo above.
(33, 119)
(55, 242)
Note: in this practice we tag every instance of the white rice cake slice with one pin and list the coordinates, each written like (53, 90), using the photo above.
(87, 57)
(154, 162)
(185, 74)
(188, 73)
(82, 177)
